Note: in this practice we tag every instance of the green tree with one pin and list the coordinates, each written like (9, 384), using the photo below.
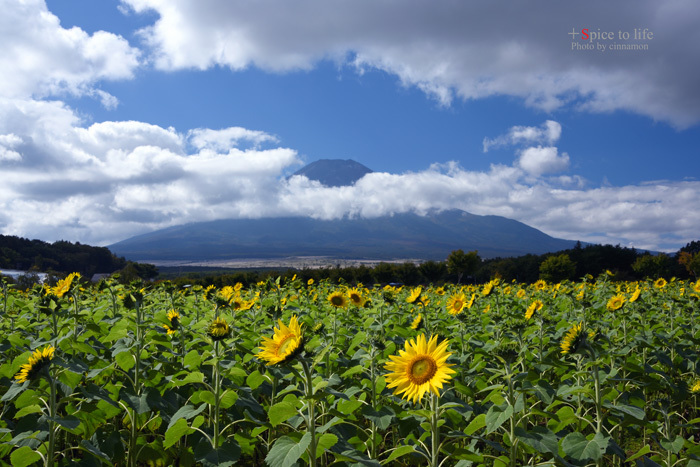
(433, 271)
(653, 266)
(557, 268)
(461, 263)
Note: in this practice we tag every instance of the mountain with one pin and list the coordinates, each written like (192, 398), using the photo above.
(400, 236)
(334, 172)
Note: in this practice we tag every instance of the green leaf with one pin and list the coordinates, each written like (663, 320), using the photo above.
(14, 390)
(226, 455)
(496, 416)
(192, 360)
(176, 431)
(565, 416)
(34, 408)
(255, 379)
(125, 360)
(281, 412)
(194, 377)
(326, 441)
(539, 438)
(578, 447)
(186, 412)
(398, 452)
(348, 407)
(208, 397)
(631, 410)
(228, 398)
(89, 447)
(674, 446)
(478, 423)
(643, 451)
(352, 371)
(286, 452)
(24, 456)
(381, 418)
(69, 422)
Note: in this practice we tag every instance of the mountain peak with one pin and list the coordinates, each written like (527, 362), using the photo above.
(334, 172)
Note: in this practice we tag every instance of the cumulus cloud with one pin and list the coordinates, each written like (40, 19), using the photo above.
(451, 49)
(104, 182)
(549, 133)
(543, 160)
(40, 58)
(111, 180)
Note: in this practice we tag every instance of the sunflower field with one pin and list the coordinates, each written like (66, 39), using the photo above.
(287, 373)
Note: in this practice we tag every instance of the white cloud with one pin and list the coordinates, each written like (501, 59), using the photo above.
(41, 58)
(543, 160)
(549, 132)
(451, 49)
(7, 143)
(221, 140)
(111, 180)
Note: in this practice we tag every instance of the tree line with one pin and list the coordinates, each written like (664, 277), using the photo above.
(61, 258)
(460, 267)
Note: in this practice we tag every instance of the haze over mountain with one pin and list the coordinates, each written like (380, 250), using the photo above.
(399, 236)
(407, 236)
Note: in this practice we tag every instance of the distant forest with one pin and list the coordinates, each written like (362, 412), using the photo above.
(62, 257)
(573, 264)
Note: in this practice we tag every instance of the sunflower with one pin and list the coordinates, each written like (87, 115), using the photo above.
(174, 322)
(540, 285)
(420, 367)
(696, 286)
(456, 303)
(286, 342)
(415, 295)
(635, 295)
(417, 322)
(63, 286)
(521, 293)
(356, 298)
(573, 339)
(534, 306)
(338, 299)
(616, 302)
(696, 386)
(38, 360)
(227, 293)
(660, 283)
(470, 303)
(218, 329)
(209, 291)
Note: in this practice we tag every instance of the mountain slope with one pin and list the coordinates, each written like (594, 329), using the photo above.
(406, 235)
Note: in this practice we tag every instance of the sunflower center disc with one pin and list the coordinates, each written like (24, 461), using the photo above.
(422, 369)
(337, 301)
(458, 304)
(282, 348)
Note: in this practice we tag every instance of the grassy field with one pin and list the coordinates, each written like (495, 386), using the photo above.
(289, 373)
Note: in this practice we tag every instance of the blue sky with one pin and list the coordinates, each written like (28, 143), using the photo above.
(120, 117)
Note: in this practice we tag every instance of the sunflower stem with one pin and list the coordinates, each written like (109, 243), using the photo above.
(435, 435)
(373, 426)
(217, 393)
(311, 406)
(52, 418)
